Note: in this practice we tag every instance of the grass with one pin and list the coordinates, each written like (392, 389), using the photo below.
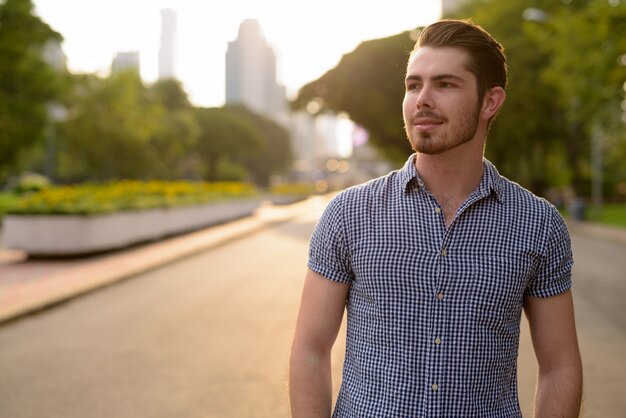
(612, 214)
(7, 202)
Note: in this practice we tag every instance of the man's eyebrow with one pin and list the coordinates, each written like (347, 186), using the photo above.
(412, 77)
(447, 76)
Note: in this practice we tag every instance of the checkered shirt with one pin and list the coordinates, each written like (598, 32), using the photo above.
(433, 313)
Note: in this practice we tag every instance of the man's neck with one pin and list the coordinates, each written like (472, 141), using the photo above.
(451, 177)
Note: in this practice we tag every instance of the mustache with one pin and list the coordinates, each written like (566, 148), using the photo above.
(428, 114)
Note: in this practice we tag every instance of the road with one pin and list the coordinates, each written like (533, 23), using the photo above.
(209, 336)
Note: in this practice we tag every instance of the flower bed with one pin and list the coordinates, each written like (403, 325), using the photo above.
(71, 235)
(90, 199)
(68, 221)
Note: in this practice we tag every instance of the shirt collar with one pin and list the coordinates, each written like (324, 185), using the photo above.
(492, 181)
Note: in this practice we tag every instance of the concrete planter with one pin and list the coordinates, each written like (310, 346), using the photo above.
(279, 200)
(69, 235)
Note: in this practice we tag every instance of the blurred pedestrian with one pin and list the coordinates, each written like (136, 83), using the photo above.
(435, 262)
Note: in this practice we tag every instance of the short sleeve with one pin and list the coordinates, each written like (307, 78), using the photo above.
(554, 275)
(328, 249)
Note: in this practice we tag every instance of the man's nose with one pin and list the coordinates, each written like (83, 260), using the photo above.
(424, 98)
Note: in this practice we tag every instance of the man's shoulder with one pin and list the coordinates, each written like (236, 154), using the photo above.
(523, 200)
(377, 188)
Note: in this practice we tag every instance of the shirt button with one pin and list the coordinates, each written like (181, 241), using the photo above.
(435, 386)
(437, 210)
(440, 295)
(444, 252)
(437, 340)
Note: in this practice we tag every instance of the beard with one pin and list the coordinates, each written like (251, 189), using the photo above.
(439, 142)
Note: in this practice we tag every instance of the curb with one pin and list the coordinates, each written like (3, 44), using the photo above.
(598, 231)
(59, 287)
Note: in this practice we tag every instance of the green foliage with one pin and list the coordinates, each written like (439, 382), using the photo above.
(614, 215)
(368, 84)
(27, 83)
(224, 135)
(586, 49)
(116, 127)
(7, 202)
(108, 134)
(234, 136)
(171, 94)
(274, 155)
(89, 199)
(173, 144)
(529, 141)
(30, 182)
(563, 73)
(565, 81)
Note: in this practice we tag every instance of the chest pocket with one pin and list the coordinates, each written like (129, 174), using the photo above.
(498, 286)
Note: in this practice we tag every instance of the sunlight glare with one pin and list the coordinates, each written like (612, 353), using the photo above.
(308, 38)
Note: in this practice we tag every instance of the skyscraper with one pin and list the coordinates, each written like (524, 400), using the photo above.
(54, 56)
(126, 61)
(167, 50)
(251, 72)
(449, 6)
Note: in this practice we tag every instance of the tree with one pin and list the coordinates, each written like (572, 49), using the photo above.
(225, 142)
(275, 154)
(27, 83)
(109, 132)
(174, 141)
(565, 82)
(368, 84)
(236, 143)
(586, 48)
(534, 140)
(530, 140)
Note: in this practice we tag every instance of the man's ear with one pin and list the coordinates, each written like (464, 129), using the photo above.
(492, 102)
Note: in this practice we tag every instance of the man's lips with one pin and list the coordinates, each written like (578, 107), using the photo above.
(426, 123)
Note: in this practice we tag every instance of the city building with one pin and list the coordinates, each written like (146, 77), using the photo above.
(125, 61)
(450, 6)
(167, 49)
(251, 73)
(54, 56)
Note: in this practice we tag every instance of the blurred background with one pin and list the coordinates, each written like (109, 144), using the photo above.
(271, 94)
(109, 106)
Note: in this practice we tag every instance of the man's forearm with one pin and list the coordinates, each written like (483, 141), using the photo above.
(559, 393)
(310, 384)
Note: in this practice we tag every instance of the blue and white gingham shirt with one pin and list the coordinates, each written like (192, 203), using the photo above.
(434, 312)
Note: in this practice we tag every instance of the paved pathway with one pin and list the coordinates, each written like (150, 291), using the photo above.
(29, 285)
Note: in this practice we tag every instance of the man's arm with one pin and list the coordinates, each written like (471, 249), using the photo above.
(319, 320)
(553, 333)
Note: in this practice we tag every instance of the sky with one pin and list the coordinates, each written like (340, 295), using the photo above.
(308, 38)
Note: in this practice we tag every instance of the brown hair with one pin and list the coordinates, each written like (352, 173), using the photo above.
(487, 60)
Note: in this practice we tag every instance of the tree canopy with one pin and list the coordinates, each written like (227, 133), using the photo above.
(566, 72)
(27, 83)
(368, 84)
(235, 141)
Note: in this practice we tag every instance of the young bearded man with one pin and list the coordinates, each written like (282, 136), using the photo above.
(434, 264)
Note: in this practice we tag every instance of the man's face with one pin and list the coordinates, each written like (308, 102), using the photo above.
(440, 107)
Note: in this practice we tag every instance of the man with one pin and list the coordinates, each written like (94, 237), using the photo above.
(435, 262)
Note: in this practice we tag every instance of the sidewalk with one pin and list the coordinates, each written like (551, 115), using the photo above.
(29, 285)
